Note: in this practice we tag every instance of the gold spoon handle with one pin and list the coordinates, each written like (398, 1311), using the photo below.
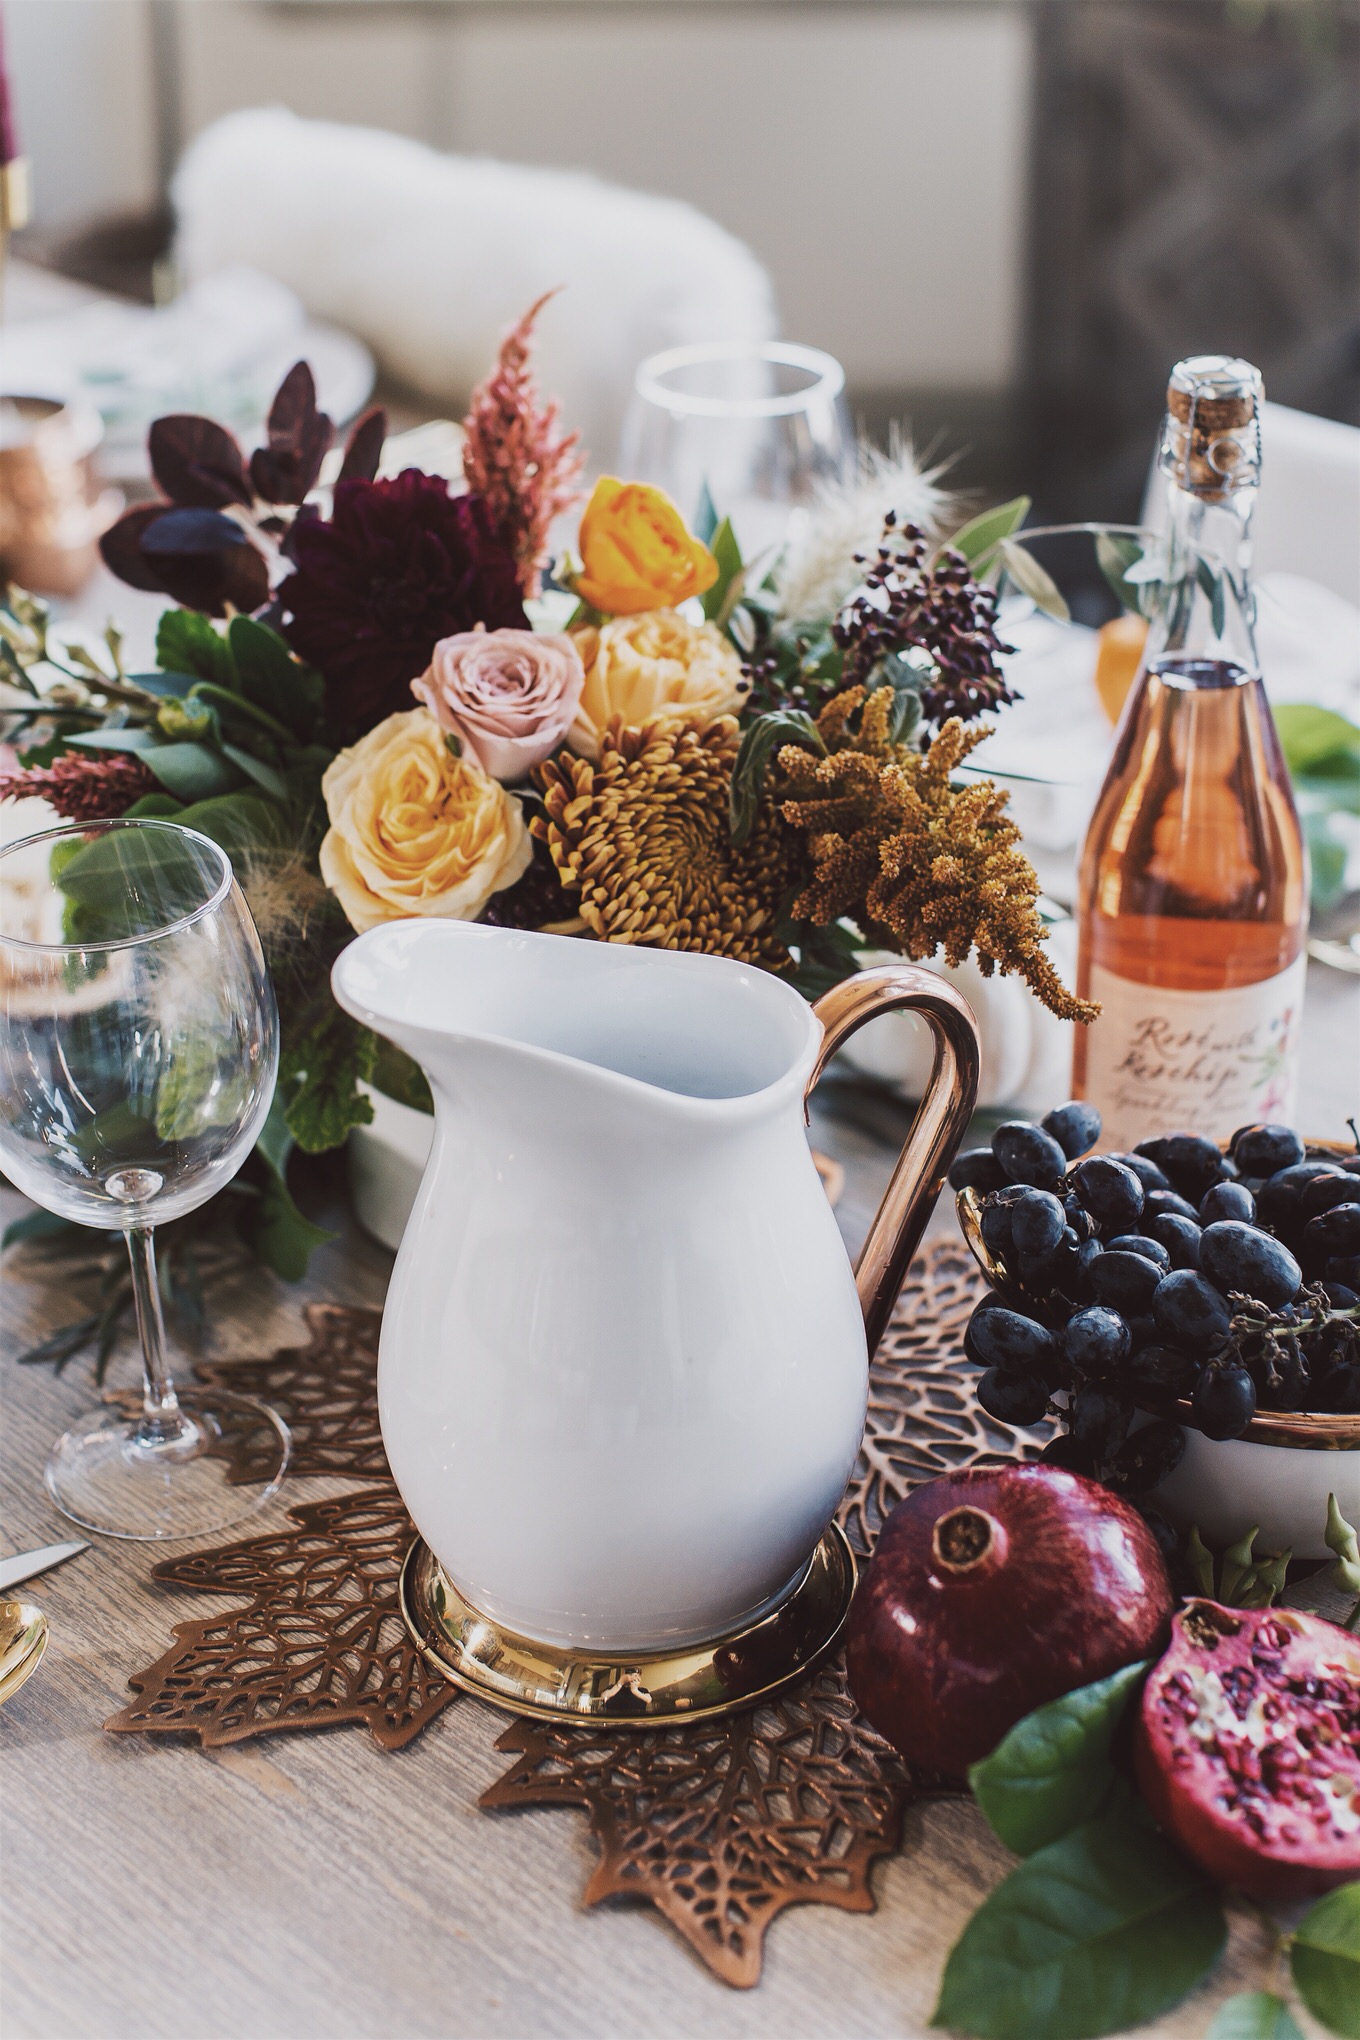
(23, 1639)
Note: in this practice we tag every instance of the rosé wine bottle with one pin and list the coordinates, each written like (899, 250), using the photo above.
(1193, 898)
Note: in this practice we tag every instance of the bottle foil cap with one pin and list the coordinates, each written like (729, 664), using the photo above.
(1211, 441)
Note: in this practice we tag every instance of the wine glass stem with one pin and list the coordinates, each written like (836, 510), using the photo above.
(161, 1416)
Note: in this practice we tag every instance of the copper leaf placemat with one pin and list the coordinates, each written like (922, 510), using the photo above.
(719, 1825)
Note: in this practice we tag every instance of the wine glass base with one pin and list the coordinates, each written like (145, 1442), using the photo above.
(105, 1474)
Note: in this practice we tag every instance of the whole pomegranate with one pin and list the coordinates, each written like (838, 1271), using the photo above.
(990, 1592)
(1247, 1747)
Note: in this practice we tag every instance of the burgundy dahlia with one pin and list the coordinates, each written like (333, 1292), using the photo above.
(398, 565)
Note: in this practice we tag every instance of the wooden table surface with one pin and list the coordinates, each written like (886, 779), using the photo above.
(314, 1885)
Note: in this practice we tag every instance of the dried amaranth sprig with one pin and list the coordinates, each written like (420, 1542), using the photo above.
(919, 864)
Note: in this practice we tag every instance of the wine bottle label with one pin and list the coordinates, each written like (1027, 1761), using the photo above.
(1162, 1061)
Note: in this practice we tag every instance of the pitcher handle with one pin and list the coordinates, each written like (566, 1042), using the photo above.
(940, 1123)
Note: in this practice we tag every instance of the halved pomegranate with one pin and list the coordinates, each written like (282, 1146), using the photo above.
(1247, 1748)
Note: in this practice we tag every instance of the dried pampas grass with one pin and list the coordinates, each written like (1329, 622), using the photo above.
(819, 571)
(289, 901)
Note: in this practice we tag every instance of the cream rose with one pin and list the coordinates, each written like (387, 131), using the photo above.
(416, 830)
(655, 667)
(509, 696)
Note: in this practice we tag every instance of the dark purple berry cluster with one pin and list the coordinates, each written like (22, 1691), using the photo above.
(1173, 1273)
(912, 603)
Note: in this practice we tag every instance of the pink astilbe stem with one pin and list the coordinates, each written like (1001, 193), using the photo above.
(517, 457)
(83, 789)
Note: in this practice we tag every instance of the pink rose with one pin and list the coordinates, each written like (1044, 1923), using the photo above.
(509, 696)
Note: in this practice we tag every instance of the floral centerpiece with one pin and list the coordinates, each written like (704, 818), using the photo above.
(383, 697)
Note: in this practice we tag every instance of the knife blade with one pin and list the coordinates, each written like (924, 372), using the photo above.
(26, 1565)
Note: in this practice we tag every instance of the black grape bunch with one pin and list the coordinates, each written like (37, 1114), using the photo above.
(1175, 1274)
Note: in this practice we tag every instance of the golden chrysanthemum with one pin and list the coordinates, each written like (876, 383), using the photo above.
(641, 837)
(917, 863)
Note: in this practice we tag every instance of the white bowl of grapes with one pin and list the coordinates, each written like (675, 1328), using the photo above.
(1188, 1314)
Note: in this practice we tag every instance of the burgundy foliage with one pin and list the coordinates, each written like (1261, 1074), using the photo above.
(205, 560)
(197, 463)
(185, 547)
(363, 448)
(287, 466)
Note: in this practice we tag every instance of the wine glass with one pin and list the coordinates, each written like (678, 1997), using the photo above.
(139, 1044)
(756, 425)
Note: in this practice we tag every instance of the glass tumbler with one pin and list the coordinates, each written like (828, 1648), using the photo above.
(756, 425)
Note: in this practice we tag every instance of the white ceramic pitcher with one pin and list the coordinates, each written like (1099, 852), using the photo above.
(623, 1366)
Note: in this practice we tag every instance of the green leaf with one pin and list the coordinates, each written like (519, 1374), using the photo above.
(196, 1090)
(191, 772)
(397, 1075)
(826, 956)
(762, 739)
(1102, 1930)
(187, 643)
(272, 678)
(1267, 1582)
(319, 1075)
(1200, 1561)
(120, 1136)
(130, 738)
(59, 1346)
(45, 753)
(267, 776)
(979, 538)
(176, 684)
(1211, 585)
(275, 1228)
(1325, 1959)
(122, 883)
(1313, 737)
(156, 807)
(1328, 858)
(1236, 1565)
(240, 823)
(907, 673)
(1340, 1537)
(1115, 555)
(1254, 2015)
(39, 1225)
(706, 517)
(725, 550)
(1053, 1770)
(1033, 580)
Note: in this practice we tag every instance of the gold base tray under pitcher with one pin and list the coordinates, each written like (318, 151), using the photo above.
(703, 1679)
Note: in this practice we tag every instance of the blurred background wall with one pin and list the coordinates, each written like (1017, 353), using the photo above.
(1006, 217)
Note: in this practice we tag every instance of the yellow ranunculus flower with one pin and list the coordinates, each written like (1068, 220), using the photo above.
(654, 668)
(636, 553)
(415, 829)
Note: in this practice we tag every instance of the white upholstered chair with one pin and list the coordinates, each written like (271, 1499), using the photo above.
(429, 257)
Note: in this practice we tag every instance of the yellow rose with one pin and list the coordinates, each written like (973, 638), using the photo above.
(416, 830)
(636, 553)
(655, 668)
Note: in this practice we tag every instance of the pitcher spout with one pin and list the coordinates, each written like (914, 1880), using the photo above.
(700, 1029)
